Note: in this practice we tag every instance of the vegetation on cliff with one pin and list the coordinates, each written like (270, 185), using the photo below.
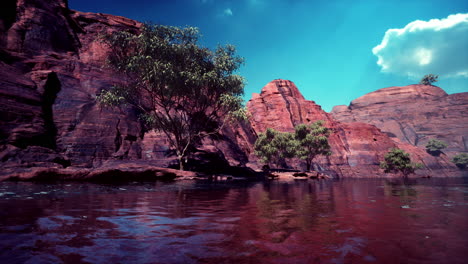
(435, 146)
(179, 87)
(429, 79)
(461, 160)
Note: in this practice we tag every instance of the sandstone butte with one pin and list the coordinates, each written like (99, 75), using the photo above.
(52, 68)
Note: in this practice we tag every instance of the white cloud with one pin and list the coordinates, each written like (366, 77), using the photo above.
(438, 46)
(228, 12)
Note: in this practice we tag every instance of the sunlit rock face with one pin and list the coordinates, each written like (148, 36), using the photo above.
(414, 114)
(357, 147)
(52, 66)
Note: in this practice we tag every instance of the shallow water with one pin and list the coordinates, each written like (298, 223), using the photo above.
(350, 221)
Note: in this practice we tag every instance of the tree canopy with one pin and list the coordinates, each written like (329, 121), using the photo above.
(429, 79)
(274, 147)
(312, 141)
(307, 142)
(178, 87)
(397, 160)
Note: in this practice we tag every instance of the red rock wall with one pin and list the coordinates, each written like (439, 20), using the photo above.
(357, 148)
(51, 69)
(414, 114)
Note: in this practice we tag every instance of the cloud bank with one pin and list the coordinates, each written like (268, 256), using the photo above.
(438, 46)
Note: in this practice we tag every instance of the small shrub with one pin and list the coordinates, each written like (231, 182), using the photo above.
(461, 160)
(429, 79)
(435, 146)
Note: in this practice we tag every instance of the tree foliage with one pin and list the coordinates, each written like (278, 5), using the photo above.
(397, 160)
(180, 88)
(435, 146)
(307, 142)
(274, 147)
(429, 79)
(312, 141)
(461, 160)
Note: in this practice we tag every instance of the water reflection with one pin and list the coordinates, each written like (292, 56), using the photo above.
(354, 221)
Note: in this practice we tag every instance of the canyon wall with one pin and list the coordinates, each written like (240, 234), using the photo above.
(414, 114)
(52, 67)
(357, 147)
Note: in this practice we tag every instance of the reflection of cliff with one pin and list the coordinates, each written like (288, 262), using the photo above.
(301, 222)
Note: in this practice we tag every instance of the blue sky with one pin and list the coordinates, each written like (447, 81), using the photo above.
(326, 47)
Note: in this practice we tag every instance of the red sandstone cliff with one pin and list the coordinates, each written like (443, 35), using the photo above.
(357, 147)
(414, 114)
(51, 69)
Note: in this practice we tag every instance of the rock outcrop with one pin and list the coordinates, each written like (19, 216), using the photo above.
(357, 148)
(52, 66)
(414, 114)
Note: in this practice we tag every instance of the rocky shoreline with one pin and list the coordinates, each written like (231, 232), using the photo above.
(112, 171)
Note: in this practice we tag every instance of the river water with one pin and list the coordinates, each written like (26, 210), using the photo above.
(347, 221)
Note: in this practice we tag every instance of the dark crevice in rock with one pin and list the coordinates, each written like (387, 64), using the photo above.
(131, 138)
(7, 14)
(464, 143)
(288, 105)
(51, 89)
(118, 137)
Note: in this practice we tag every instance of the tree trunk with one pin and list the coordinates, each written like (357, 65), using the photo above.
(181, 163)
(308, 163)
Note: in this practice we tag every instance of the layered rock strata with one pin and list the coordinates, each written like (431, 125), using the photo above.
(357, 148)
(52, 66)
(414, 114)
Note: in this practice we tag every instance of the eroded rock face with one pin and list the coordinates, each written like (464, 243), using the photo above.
(52, 68)
(414, 114)
(357, 147)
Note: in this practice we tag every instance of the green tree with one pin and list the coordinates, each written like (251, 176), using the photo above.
(429, 79)
(435, 146)
(178, 87)
(274, 147)
(461, 160)
(397, 160)
(312, 140)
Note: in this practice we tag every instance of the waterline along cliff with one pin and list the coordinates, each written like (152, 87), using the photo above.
(52, 67)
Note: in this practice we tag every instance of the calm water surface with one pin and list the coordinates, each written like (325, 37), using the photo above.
(350, 221)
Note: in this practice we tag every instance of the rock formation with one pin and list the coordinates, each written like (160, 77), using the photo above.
(414, 114)
(52, 66)
(357, 147)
